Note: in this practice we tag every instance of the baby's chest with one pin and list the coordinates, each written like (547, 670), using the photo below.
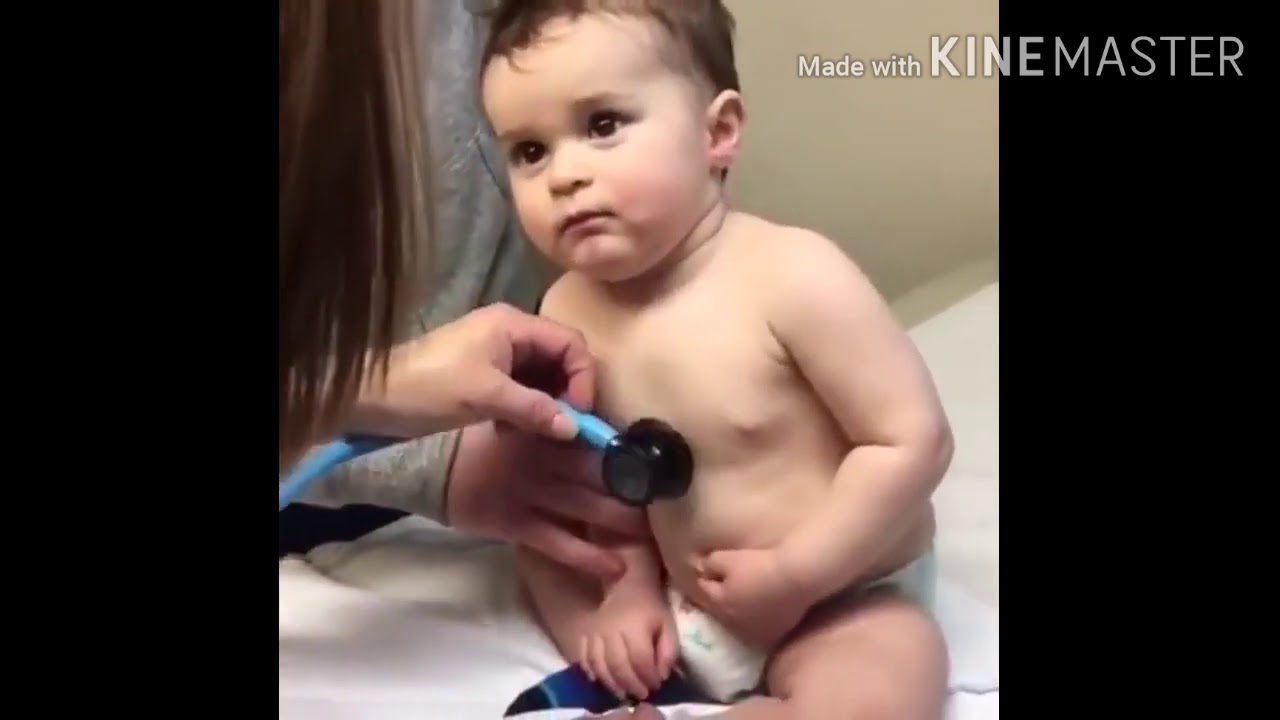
(717, 385)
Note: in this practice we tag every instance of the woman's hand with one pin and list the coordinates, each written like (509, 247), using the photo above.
(514, 486)
(495, 363)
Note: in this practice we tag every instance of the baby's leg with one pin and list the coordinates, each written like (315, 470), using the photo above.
(880, 658)
(563, 599)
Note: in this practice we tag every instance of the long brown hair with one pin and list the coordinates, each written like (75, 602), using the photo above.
(353, 221)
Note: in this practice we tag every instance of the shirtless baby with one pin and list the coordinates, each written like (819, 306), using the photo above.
(794, 577)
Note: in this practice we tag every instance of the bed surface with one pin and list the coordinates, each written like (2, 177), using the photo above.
(962, 348)
(413, 621)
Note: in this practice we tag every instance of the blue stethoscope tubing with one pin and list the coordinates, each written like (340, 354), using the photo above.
(593, 431)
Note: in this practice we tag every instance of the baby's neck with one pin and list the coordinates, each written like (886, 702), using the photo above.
(682, 264)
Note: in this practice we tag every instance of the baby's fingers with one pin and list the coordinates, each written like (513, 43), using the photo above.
(713, 590)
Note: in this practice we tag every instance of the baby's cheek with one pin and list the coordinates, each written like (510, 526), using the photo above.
(652, 192)
(537, 223)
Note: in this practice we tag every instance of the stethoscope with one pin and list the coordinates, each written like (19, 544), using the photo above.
(645, 462)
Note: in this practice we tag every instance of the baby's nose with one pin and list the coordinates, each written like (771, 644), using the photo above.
(568, 185)
(569, 172)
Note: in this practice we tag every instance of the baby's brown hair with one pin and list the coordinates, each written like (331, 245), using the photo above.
(701, 29)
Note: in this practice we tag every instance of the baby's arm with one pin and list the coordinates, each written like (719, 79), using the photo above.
(845, 341)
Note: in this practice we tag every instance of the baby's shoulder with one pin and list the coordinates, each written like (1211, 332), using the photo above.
(574, 300)
(564, 294)
(785, 255)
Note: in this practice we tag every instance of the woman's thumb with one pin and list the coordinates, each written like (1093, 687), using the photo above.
(528, 409)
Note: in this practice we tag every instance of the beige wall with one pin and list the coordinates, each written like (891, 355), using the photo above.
(902, 172)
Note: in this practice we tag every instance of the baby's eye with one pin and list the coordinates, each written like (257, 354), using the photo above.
(604, 123)
(527, 152)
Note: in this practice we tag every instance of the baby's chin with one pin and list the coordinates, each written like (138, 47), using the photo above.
(608, 259)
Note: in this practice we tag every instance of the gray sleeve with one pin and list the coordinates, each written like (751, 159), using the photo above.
(480, 254)
(411, 477)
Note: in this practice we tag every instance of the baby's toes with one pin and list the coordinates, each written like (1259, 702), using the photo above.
(602, 667)
(641, 651)
(583, 659)
(621, 669)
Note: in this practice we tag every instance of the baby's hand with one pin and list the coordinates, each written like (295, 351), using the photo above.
(752, 593)
(630, 642)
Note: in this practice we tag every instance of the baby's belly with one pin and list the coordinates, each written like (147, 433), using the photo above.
(734, 508)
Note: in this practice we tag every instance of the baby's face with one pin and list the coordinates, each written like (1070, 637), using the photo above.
(607, 147)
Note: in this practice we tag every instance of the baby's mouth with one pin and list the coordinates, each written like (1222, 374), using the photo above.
(580, 218)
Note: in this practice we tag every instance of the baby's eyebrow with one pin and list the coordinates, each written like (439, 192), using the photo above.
(505, 136)
(511, 134)
(596, 99)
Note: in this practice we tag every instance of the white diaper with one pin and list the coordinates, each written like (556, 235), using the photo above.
(726, 669)
(717, 662)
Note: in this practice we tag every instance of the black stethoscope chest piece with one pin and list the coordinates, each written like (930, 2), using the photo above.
(646, 462)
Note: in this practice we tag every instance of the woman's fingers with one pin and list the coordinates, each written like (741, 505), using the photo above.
(564, 547)
(538, 341)
(506, 400)
(567, 485)
(496, 363)
(575, 502)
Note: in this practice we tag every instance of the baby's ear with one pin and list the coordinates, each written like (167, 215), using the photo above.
(726, 116)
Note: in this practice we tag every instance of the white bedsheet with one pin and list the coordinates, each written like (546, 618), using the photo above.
(415, 622)
(962, 347)
(415, 619)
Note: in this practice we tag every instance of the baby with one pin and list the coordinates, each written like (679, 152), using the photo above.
(794, 579)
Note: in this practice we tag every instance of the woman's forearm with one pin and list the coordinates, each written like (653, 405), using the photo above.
(411, 477)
